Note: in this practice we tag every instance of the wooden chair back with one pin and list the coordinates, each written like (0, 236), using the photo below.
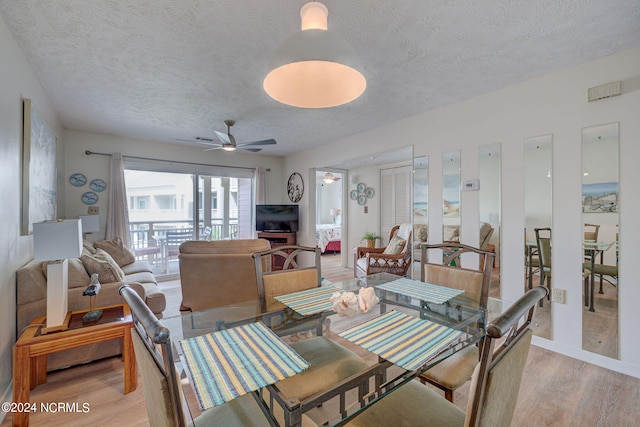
(543, 241)
(450, 273)
(154, 356)
(496, 380)
(289, 269)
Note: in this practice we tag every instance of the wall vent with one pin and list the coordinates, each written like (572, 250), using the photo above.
(604, 91)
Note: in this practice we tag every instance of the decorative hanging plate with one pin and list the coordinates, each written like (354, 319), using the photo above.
(295, 187)
(89, 198)
(353, 195)
(361, 187)
(362, 200)
(369, 192)
(97, 185)
(77, 179)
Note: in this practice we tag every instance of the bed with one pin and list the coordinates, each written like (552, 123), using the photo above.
(328, 237)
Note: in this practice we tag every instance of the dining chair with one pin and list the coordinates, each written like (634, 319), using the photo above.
(299, 269)
(160, 379)
(531, 261)
(456, 370)
(543, 242)
(591, 232)
(494, 387)
(395, 258)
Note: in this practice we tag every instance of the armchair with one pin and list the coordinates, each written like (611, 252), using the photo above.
(395, 258)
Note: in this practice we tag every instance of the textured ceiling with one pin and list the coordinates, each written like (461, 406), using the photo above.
(167, 70)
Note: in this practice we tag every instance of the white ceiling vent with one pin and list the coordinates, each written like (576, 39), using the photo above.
(604, 91)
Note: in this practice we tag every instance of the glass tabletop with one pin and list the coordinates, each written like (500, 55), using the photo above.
(333, 395)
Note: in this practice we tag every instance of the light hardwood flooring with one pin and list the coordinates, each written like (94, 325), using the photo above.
(556, 390)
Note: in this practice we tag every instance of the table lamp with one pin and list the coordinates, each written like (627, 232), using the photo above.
(90, 223)
(57, 241)
(333, 212)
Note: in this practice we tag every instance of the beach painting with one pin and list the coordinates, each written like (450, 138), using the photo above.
(600, 197)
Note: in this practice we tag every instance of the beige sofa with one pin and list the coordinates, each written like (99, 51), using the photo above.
(218, 273)
(31, 290)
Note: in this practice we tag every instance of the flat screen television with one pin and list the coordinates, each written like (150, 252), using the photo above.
(277, 218)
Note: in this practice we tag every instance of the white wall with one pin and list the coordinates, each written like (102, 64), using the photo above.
(95, 166)
(554, 104)
(17, 81)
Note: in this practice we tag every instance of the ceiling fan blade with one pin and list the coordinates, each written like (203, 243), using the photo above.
(253, 150)
(212, 148)
(263, 142)
(223, 137)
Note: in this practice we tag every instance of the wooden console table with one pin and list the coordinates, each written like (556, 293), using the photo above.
(31, 350)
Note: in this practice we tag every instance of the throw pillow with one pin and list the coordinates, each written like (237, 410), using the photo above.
(450, 233)
(395, 246)
(118, 251)
(88, 246)
(103, 264)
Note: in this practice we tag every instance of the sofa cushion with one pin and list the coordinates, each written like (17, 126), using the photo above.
(137, 267)
(140, 277)
(78, 276)
(118, 251)
(102, 263)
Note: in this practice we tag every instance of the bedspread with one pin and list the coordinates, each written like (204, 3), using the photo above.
(326, 233)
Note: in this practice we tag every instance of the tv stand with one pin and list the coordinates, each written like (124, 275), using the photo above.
(277, 239)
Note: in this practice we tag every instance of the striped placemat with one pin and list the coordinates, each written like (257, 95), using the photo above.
(402, 339)
(231, 362)
(421, 290)
(311, 301)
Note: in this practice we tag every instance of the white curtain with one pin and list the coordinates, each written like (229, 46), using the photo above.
(118, 215)
(261, 186)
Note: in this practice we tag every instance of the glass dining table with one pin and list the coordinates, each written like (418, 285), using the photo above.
(306, 360)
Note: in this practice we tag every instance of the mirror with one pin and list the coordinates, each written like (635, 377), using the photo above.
(489, 171)
(420, 211)
(451, 196)
(367, 214)
(538, 184)
(600, 167)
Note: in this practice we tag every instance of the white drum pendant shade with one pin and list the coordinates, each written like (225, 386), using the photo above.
(314, 68)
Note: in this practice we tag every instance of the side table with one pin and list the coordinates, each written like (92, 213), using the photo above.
(31, 350)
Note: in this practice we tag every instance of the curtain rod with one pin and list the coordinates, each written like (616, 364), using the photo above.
(88, 153)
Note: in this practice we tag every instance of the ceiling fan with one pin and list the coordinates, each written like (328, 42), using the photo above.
(227, 142)
(329, 178)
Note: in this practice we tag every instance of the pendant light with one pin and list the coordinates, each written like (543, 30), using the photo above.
(314, 68)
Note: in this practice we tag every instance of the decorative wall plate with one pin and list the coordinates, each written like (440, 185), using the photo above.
(89, 198)
(353, 195)
(77, 179)
(362, 200)
(368, 192)
(361, 187)
(295, 187)
(97, 185)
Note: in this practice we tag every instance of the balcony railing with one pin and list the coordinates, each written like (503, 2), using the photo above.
(158, 241)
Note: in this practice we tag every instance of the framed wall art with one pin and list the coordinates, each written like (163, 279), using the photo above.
(295, 187)
(38, 169)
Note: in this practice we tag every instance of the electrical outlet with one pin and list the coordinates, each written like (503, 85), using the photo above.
(559, 295)
(93, 210)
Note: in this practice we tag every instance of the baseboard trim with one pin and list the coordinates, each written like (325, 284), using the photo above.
(589, 357)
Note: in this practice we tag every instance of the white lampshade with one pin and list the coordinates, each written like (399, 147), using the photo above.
(54, 240)
(333, 212)
(314, 68)
(57, 241)
(90, 223)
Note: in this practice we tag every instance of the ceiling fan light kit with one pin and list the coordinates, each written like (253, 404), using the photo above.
(228, 142)
(314, 68)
